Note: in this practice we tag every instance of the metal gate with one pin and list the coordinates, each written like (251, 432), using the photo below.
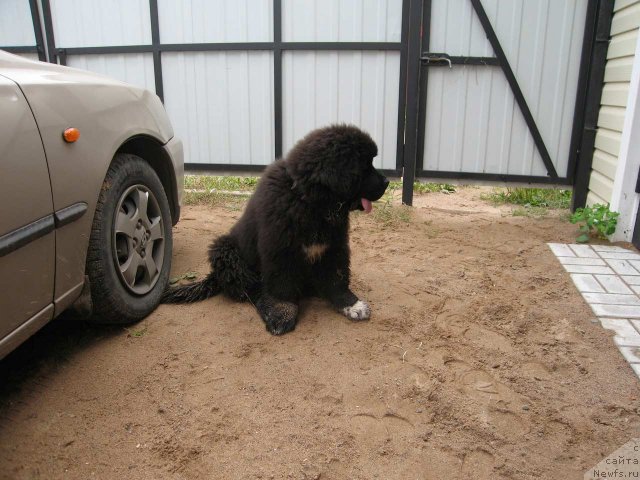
(480, 89)
(499, 90)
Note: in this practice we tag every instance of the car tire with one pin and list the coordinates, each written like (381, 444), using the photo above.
(131, 234)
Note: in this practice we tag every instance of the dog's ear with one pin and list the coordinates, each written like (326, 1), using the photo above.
(340, 175)
(328, 163)
(322, 184)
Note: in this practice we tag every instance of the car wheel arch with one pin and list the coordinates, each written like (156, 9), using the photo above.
(152, 152)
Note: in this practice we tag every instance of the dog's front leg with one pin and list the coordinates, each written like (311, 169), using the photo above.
(278, 303)
(332, 278)
(279, 316)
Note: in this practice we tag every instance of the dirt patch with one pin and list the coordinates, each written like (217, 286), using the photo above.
(480, 361)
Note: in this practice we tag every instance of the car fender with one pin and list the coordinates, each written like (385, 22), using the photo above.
(107, 113)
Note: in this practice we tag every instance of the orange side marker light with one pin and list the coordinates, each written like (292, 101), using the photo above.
(71, 135)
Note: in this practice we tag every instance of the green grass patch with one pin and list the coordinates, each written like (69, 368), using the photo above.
(248, 184)
(214, 191)
(233, 203)
(533, 212)
(530, 197)
(229, 184)
(389, 214)
(386, 212)
(424, 187)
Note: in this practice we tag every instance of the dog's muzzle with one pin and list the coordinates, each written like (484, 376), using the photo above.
(373, 188)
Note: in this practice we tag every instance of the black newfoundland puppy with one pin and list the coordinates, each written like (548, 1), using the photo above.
(293, 239)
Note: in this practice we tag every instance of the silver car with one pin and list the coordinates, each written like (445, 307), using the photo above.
(90, 185)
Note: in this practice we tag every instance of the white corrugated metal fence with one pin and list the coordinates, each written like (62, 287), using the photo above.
(243, 80)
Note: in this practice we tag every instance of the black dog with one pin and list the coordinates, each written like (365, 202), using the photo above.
(293, 239)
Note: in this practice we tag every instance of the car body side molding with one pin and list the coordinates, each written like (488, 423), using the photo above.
(70, 214)
(27, 234)
(22, 236)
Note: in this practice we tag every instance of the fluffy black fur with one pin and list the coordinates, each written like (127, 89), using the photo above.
(292, 240)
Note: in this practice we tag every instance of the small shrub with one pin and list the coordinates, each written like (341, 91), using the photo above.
(597, 221)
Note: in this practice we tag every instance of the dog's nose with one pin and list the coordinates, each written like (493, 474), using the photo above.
(385, 181)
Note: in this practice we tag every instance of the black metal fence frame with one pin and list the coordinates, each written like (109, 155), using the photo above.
(415, 60)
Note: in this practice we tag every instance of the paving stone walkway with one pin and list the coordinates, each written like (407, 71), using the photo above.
(608, 278)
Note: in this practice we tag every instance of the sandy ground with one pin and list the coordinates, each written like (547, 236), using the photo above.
(480, 361)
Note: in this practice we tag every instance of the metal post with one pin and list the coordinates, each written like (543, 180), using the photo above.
(424, 84)
(277, 76)
(155, 41)
(402, 88)
(37, 30)
(598, 62)
(583, 84)
(48, 30)
(413, 97)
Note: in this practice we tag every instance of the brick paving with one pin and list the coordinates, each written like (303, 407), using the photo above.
(608, 277)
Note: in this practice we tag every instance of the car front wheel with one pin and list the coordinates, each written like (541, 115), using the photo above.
(129, 256)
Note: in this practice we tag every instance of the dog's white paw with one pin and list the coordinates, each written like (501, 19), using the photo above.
(358, 311)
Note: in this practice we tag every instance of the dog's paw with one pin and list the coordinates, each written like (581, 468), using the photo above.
(279, 317)
(358, 311)
(279, 327)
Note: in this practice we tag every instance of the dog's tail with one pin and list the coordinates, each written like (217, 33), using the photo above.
(194, 292)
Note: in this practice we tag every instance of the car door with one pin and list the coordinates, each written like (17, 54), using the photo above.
(27, 229)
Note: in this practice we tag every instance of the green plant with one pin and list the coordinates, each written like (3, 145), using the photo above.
(596, 220)
(531, 197)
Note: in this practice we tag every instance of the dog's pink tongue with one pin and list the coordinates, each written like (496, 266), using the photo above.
(366, 204)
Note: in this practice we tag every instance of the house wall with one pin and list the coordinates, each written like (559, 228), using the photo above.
(614, 103)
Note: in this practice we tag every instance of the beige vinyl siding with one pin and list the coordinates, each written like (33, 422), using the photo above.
(618, 70)
(620, 4)
(625, 18)
(592, 199)
(615, 94)
(605, 163)
(611, 118)
(624, 35)
(623, 45)
(600, 185)
(608, 141)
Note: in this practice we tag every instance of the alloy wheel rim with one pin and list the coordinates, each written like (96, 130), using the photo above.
(138, 239)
